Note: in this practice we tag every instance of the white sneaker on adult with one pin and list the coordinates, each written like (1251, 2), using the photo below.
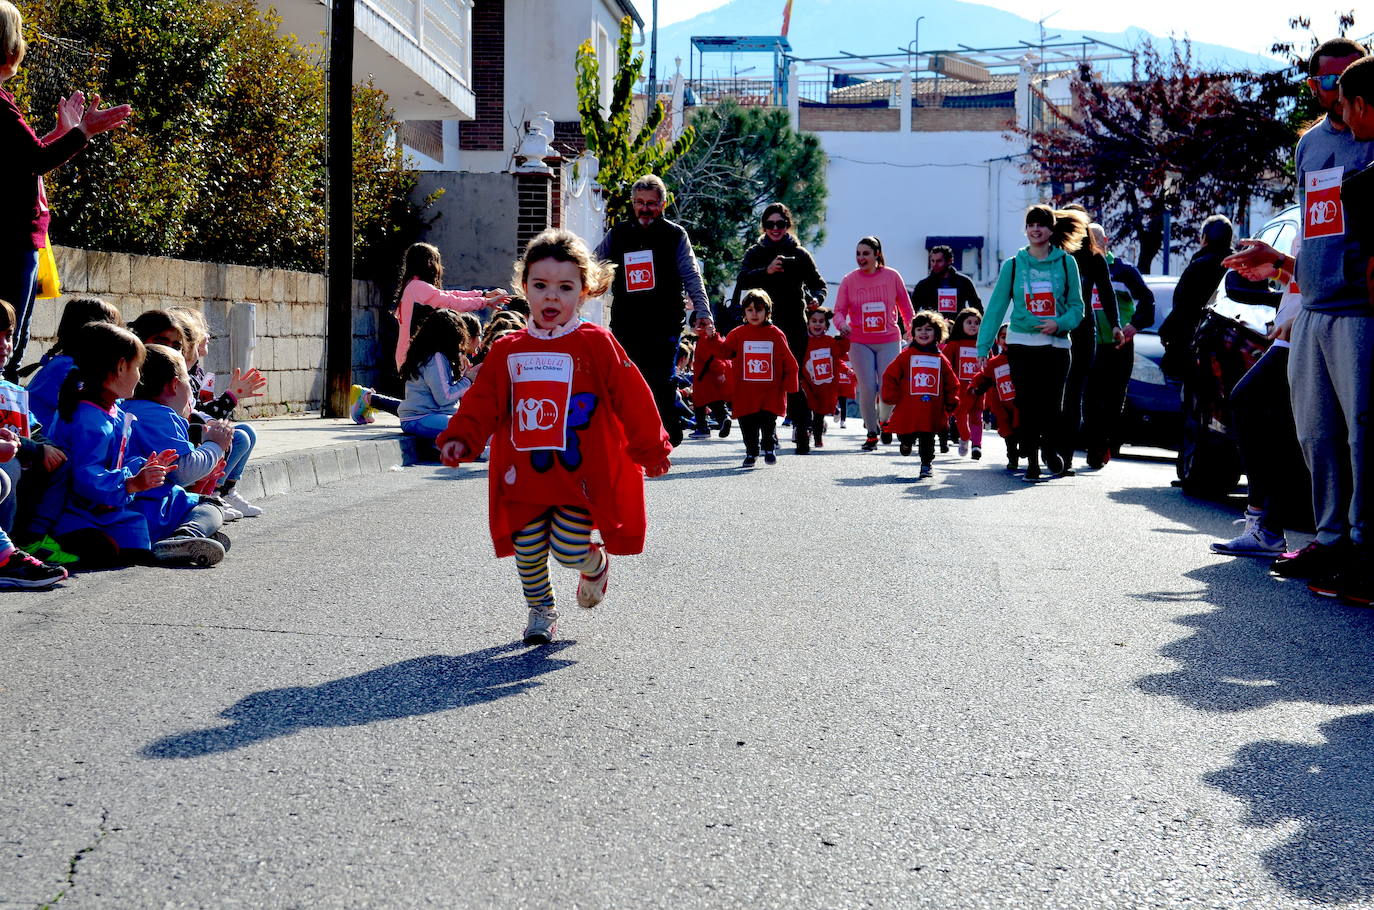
(234, 499)
(1255, 540)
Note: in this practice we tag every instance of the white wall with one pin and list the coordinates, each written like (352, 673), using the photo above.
(904, 187)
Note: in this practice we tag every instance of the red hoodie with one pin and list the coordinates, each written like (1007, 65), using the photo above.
(923, 390)
(963, 356)
(571, 421)
(713, 377)
(997, 375)
(820, 373)
(765, 370)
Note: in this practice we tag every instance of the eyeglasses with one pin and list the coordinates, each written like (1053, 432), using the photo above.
(1328, 82)
(774, 224)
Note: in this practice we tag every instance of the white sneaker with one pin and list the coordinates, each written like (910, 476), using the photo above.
(591, 589)
(1254, 540)
(963, 448)
(230, 513)
(541, 626)
(234, 499)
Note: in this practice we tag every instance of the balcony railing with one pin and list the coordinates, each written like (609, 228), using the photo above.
(440, 28)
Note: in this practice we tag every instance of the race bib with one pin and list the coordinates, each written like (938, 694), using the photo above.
(1005, 390)
(639, 270)
(124, 434)
(924, 373)
(1097, 300)
(1325, 216)
(758, 361)
(1040, 299)
(874, 317)
(821, 366)
(207, 387)
(968, 362)
(947, 299)
(541, 387)
(14, 409)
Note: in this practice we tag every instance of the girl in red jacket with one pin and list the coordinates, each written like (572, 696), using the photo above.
(820, 371)
(712, 379)
(996, 377)
(765, 372)
(922, 388)
(574, 430)
(962, 351)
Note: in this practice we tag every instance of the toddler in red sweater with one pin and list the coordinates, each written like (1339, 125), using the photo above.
(765, 372)
(574, 430)
(922, 388)
(712, 379)
(820, 373)
(962, 351)
(995, 377)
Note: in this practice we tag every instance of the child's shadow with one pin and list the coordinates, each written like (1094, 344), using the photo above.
(422, 685)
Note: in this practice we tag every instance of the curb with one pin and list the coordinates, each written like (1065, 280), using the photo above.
(309, 469)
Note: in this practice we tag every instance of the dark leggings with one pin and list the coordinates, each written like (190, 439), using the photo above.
(925, 443)
(1106, 395)
(1075, 388)
(384, 402)
(1039, 372)
(761, 426)
(717, 410)
(1280, 485)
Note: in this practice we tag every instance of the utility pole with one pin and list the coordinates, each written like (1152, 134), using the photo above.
(653, 63)
(339, 212)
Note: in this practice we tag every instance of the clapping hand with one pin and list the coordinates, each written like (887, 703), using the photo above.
(246, 384)
(95, 121)
(9, 444)
(221, 433)
(154, 473)
(70, 111)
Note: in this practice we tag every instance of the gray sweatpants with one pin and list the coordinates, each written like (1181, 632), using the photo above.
(869, 362)
(1329, 383)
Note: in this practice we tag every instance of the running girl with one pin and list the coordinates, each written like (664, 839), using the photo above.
(820, 371)
(765, 374)
(962, 351)
(921, 388)
(574, 430)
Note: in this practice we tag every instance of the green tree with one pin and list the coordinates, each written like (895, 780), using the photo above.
(625, 154)
(224, 159)
(743, 159)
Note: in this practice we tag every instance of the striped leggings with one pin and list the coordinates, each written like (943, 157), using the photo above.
(567, 532)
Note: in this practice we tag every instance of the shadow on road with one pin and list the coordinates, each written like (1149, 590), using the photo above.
(423, 685)
(1265, 643)
(1206, 515)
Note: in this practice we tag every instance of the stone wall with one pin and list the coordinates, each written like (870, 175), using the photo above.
(273, 319)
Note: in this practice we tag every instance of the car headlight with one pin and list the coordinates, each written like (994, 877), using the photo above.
(1145, 370)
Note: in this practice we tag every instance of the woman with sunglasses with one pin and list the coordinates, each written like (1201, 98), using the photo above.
(781, 266)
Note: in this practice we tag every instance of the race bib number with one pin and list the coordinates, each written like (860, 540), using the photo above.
(968, 362)
(821, 366)
(1040, 299)
(541, 387)
(1097, 300)
(14, 409)
(947, 299)
(924, 374)
(758, 361)
(639, 270)
(1005, 390)
(874, 317)
(1325, 214)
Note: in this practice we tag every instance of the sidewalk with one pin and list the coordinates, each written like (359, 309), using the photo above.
(301, 452)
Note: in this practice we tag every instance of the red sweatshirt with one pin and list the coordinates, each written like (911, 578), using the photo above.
(571, 421)
(963, 356)
(712, 375)
(765, 370)
(820, 373)
(923, 390)
(997, 375)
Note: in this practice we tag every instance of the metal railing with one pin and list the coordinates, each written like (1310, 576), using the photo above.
(440, 28)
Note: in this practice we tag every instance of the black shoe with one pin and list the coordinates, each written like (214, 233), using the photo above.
(23, 571)
(749, 461)
(1054, 465)
(904, 448)
(1032, 474)
(1353, 584)
(944, 444)
(870, 444)
(887, 438)
(1312, 561)
(725, 428)
(769, 457)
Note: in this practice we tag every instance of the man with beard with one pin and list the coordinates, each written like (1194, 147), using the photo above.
(655, 266)
(946, 289)
(1332, 340)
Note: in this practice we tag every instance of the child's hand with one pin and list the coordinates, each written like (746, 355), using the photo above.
(498, 296)
(53, 458)
(657, 470)
(247, 385)
(9, 444)
(452, 453)
(220, 432)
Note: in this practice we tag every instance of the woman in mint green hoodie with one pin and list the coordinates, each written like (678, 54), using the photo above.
(1041, 286)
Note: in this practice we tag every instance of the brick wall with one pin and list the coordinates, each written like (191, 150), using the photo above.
(966, 120)
(923, 119)
(860, 120)
(287, 342)
(535, 199)
(487, 131)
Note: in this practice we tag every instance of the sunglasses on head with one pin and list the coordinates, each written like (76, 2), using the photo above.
(774, 224)
(1328, 82)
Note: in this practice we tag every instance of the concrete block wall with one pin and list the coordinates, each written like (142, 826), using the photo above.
(285, 339)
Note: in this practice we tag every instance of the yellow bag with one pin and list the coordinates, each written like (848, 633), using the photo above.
(47, 284)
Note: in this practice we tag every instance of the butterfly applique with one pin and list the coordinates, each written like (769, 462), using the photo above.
(580, 411)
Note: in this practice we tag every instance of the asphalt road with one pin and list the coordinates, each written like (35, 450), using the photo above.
(823, 685)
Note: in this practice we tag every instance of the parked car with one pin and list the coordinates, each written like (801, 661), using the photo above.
(1153, 414)
(1230, 337)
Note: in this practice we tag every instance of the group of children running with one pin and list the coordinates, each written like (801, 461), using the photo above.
(119, 450)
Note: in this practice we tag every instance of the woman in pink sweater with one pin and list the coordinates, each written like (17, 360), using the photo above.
(421, 275)
(870, 301)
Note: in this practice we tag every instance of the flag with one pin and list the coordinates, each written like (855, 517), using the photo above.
(786, 17)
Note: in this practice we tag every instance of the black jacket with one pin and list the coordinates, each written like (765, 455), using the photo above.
(787, 289)
(925, 296)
